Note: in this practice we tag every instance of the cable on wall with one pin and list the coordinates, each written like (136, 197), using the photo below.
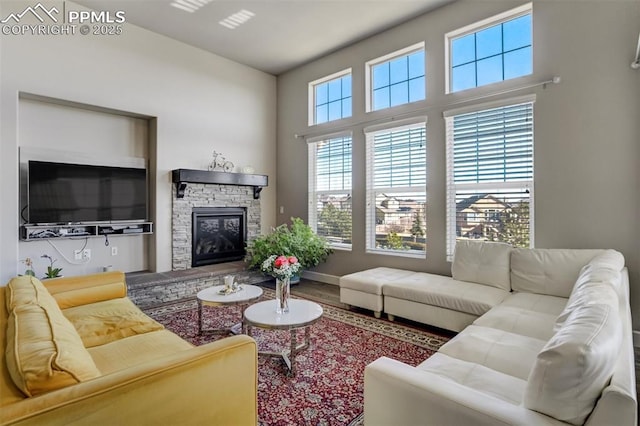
(544, 84)
(636, 63)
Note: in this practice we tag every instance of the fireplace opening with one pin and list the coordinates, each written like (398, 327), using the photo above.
(218, 235)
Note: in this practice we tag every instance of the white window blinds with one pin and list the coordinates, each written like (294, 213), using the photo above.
(490, 174)
(396, 190)
(330, 189)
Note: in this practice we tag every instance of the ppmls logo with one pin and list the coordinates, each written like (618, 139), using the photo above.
(16, 17)
(40, 20)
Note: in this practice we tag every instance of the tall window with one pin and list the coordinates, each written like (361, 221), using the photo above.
(490, 173)
(397, 189)
(330, 98)
(396, 79)
(330, 189)
(497, 49)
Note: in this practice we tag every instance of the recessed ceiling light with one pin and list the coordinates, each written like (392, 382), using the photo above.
(190, 5)
(234, 21)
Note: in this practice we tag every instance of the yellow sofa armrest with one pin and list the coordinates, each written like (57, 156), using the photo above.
(212, 384)
(85, 289)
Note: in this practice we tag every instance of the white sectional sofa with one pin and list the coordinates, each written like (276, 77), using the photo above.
(545, 339)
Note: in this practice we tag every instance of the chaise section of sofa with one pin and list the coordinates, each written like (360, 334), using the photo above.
(557, 350)
(132, 370)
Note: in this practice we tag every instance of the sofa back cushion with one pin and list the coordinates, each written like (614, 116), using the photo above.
(482, 262)
(576, 364)
(548, 271)
(43, 350)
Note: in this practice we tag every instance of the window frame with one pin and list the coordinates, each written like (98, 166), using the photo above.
(312, 195)
(370, 216)
(387, 58)
(498, 19)
(312, 96)
(452, 187)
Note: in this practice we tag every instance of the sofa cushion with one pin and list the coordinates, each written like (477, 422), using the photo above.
(44, 351)
(134, 350)
(482, 262)
(104, 322)
(576, 364)
(445, 292)
(609, 259)
(535, 302)
(519, 321)
(593, 292)
(499, 350)
(548, 271)
(477, 377)
(372, 280)
(24, 290)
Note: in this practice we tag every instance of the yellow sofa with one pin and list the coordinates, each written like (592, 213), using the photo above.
(77, 351)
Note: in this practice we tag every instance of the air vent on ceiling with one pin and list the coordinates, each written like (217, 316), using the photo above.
(190, 5)
(234, 21)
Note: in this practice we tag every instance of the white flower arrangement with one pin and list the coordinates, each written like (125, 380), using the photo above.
(280, 266)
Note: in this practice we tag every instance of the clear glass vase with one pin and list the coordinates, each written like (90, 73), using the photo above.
(282, 295)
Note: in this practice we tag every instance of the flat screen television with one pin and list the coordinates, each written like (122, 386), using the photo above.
(76, 193)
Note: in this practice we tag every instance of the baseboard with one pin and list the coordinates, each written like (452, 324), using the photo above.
(323, 278)
(636, 339)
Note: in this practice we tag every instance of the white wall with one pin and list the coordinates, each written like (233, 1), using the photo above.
(54, 132)
(199, 101)
(587, 129)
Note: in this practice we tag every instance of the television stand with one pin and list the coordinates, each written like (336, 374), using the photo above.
(30, 232)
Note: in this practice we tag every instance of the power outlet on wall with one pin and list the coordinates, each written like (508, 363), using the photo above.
(86, 254)
(77, 254)
(114, 251)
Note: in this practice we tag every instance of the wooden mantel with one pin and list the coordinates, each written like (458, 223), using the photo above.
(183, 176)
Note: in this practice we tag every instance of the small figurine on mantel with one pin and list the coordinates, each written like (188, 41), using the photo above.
(220, 163)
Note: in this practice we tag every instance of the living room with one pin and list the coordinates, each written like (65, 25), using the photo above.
(144, 95)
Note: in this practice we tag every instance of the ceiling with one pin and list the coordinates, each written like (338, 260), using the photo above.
(281, 35)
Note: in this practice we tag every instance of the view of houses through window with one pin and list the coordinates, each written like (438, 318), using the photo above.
(490, 175)
(330, 190)
(396, 189)
(489, 147)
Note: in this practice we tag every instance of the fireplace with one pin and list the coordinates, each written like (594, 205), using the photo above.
(218, 234)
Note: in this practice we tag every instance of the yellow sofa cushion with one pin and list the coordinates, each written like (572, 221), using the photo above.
(137, 350)
(25, 290)
(108, 321)
(87, 289)
(44, 351)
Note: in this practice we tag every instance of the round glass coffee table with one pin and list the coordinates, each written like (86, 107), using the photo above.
(302, 314)
(215, 296)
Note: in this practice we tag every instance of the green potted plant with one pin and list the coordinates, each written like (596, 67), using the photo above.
(51, 271)
(297, 240)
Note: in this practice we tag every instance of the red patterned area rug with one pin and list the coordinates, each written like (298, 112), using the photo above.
(328, 387)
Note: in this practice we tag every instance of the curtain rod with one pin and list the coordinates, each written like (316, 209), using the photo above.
(553, 80)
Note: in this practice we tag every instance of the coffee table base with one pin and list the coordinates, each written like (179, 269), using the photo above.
(234, 329)
(288, 355)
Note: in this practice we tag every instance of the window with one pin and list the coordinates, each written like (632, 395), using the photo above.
(330, 189)
(490, 173)
(330, 98)
(396, 79)
(490, 51)
(397, 189)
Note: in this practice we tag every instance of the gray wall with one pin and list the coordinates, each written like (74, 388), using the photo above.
(587, 129)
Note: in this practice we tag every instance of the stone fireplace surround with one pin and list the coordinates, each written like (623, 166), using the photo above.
(208, 195)
(183, 282)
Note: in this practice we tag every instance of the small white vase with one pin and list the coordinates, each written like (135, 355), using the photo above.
(282, 295)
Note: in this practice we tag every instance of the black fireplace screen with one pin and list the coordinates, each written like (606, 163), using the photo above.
(218, 235)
